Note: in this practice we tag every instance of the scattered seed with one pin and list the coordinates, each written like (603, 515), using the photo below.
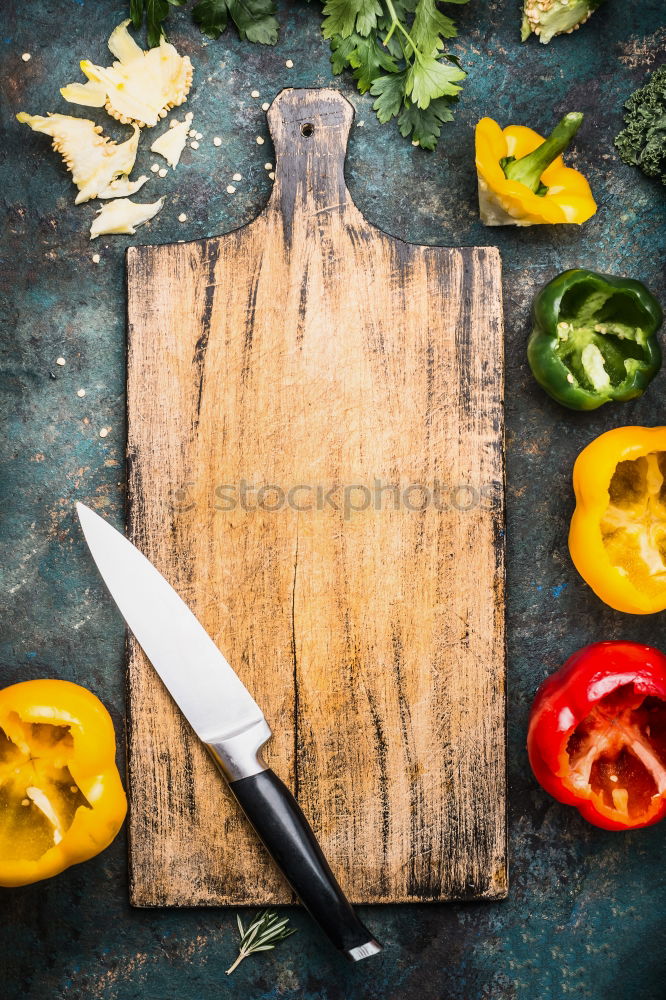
(613, 777)
(415, 142)
(268, 166)
(104, 431)
(255, 93)
(260, 140)
(26, 57)
(60, 361)
(155, 167)
(360, 124)
(272, 175)
(182, 217)
(570, 377)
(198, 135)
(162, 172)
(289, 63)
(194, 144)
(265, 106)
(231, 189)
(73, 789)
(217, 141)
(96, 258)
(81, 392)
(192, 133)
(25, 802)
(237, 177)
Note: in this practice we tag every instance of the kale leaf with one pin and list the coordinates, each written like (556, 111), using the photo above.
(642, 142)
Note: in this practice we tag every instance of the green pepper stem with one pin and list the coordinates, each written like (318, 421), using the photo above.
(528, 169)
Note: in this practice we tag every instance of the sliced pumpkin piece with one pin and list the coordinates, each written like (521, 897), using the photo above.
(172, 142)
(93, 159)
(123, 187)
(123, 216)
(140, 87)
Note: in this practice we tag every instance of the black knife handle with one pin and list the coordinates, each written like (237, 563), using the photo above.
(280, 823)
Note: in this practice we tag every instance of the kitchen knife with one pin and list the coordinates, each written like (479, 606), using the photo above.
(229, 723)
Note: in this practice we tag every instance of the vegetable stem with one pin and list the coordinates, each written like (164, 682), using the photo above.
(397, 23)
(528, 169)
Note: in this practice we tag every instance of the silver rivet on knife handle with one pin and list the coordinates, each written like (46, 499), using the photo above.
(239, 756)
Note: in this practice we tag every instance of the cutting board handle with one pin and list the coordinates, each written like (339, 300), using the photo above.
(310, 129)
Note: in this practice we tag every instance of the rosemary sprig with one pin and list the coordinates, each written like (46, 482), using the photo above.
(262, 935)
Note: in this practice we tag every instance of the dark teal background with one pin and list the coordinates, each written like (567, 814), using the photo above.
(585, 917)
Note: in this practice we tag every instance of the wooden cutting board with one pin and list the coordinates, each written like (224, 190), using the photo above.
(316, 463)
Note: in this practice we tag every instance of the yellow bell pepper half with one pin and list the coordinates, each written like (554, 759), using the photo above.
(507, 201)
(61, 798)
(617, 538)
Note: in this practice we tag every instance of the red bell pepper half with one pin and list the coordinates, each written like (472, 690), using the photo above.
(597, 734)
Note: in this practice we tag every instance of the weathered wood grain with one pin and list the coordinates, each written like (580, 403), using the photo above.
(366, 615)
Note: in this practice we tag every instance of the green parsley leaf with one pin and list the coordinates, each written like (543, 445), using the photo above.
(364, 56)
(430, 26)
(366, 19)
(339, 18)
(424, 125)
(428, 78)
(390, 92)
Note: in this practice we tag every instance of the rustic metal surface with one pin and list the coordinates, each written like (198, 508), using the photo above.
(585, 917)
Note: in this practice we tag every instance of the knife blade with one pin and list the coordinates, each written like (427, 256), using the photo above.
(228, 721)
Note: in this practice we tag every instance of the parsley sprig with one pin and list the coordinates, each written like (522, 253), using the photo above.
(394, 49)
(262, 935)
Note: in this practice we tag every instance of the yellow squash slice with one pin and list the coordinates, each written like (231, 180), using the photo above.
(140, 87)
(123, 216)
(93, 159)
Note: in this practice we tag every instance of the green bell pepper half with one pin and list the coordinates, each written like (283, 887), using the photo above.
(594, 338)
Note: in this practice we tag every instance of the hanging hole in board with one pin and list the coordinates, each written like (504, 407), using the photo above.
(307, 129)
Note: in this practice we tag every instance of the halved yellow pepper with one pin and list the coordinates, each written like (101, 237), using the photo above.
(508, 201)
(61, 798)
(617, 538)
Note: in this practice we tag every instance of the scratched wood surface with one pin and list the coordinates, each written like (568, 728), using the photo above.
(315, 451)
